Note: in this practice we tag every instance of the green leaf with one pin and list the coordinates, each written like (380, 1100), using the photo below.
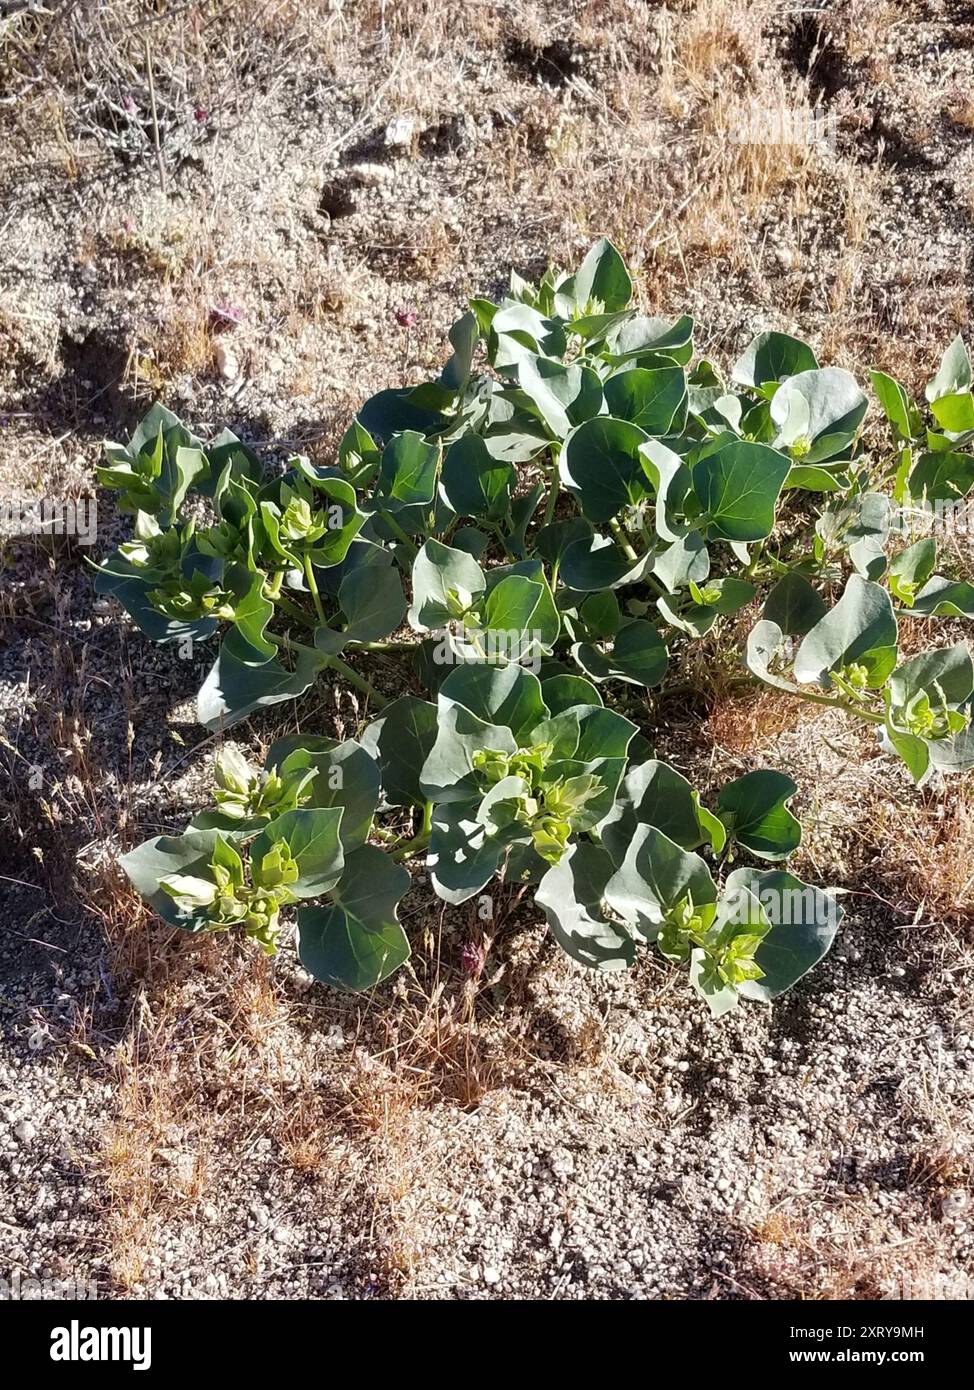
(476, 484)
(764, 645)
(507, 695)
(509, 607)
(241, 681)
(400, 741)
(127, 584)
(357, 941)
(914, 751)
(561, 692)
(442, 577)
(584, 733)
(600, 614)
(346, 776)
(562, 395)
(373, 603)
(816, 479)
(804, 923)
(653, 399)
(860, 629)
(156, 859)
(595, 562)
(252, 611)
(738, 488)
(447, 774)
(950, 668)
(315, 843)
(867, 537)
(392, 412)
(772, 357)
(954, 413)
(335, 544)
(954, 373)
(652, 340)
(754, 809)
(911, 569)
(551, 541)
(570, 895)
(721, 998)
(656, 794)
(822, 408)
(942, 476)
(897, 406)
(601, 465)
(602, 279)
(944, 598)
(463, 339)
(638, 656)
(462, 857)
(519, 326)
(794, 604)
(683, 561)
(655, 876)
(409, 468)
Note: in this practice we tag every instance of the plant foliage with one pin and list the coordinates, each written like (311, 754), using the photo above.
(533, 533)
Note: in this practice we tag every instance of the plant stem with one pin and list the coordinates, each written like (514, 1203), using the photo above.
(386, 646)
(622, 541)
(420, 841)
(495, 527)
(157, 143)
(399, 533)
(309, 574)
(868, 715)
(293, 611)
(554, 488)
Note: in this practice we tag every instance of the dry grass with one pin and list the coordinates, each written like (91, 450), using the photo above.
(931, 873)
(604, 119)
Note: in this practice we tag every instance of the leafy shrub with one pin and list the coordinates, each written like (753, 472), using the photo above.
(573, 495)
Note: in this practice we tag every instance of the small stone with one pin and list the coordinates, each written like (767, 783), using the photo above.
(372, 175)
(25, 1131)
(952, 1204)
(400, 132)
(561, 1162)
(226, 362)
(491, 1275)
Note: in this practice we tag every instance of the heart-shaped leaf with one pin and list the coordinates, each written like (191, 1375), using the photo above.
(571, 895)
(652, 398)
(860, 629)
(477, 484)
(601, 465)
(772, 357)
(638, 656)
(804, 923)
(755, 811)
(400, 741)
(356, 941)
(738, 488)
(655, 877)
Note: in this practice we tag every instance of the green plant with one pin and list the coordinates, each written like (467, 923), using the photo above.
(573, 496)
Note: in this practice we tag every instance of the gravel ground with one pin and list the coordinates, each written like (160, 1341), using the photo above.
(181, 1120)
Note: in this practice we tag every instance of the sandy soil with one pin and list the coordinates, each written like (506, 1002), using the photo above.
(181, 1119)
